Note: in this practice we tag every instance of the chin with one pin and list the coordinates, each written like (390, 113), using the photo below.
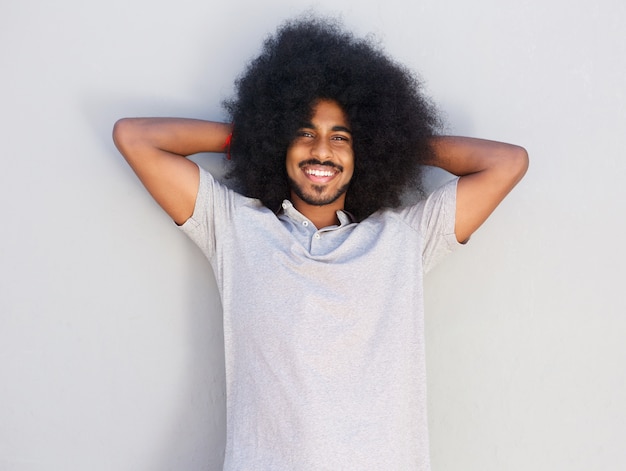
(318, 196)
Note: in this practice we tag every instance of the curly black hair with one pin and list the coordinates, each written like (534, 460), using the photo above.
(391, 120)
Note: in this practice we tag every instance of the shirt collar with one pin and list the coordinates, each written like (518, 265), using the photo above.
(289, 210)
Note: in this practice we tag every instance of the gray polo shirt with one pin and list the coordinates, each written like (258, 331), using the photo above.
(323, 330)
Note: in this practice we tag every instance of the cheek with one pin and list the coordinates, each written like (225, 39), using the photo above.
(350, 175)
(292, 168)
(289, 158)
(350, 165)
(294, 155)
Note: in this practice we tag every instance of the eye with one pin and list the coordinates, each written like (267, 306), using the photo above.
(304, 133)
(341, 138)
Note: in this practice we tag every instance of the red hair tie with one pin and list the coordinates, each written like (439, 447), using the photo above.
(227, 145)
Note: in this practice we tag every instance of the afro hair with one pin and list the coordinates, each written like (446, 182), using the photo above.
(391, 120)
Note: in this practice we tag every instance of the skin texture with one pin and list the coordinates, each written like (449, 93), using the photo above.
(320, 164)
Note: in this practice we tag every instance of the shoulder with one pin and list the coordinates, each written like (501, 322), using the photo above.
(217, 203)
(213, 188)
(440, 202)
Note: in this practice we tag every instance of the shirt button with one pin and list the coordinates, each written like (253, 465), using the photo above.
(317, 235)
(305, 223)
(284, 205)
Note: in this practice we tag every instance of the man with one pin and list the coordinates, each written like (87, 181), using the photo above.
(319, 267)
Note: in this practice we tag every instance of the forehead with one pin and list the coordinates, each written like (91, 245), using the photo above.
(328, 112)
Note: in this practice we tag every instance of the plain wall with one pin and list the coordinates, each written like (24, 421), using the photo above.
(111, 350)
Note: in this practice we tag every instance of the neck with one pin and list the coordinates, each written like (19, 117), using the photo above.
(320, 216)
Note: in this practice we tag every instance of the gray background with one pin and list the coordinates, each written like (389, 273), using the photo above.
(110, 332)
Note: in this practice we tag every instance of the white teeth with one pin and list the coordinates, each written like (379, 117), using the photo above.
(320, 173)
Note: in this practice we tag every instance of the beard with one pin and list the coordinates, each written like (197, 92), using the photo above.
(316, 195)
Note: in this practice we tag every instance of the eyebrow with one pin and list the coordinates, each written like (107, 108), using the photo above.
(334, 128)
(341, 128)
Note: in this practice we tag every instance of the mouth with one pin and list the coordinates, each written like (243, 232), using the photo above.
(320, 172)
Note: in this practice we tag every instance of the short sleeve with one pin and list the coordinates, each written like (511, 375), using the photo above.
(213, 201)
(434, 219)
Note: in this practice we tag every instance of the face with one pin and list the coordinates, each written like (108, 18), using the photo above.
(320, 160)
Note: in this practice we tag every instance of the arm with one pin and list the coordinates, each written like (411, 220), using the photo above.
(489, 170)
(156, 148)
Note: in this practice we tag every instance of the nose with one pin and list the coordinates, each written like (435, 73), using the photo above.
(321, 149)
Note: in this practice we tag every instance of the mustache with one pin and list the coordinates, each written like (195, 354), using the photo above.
(326, 163)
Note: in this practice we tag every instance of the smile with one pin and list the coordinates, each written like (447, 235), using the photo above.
(319, 173)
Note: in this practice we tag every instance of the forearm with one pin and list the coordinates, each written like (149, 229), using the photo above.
(177, 136)
(489, 170)
(465, 156)
(156, 149)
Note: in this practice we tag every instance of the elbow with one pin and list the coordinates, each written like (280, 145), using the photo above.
(122, 133)
(518, 163)
(128, 136)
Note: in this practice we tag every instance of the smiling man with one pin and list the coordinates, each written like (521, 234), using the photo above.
(319, 267)
(320, 163)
